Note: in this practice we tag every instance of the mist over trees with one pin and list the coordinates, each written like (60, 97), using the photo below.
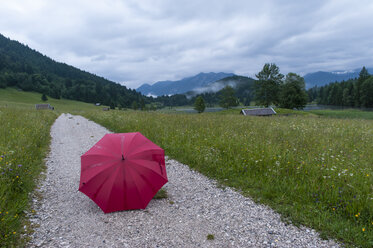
(28, 70)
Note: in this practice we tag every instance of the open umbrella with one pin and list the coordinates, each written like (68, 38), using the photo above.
(122, 171)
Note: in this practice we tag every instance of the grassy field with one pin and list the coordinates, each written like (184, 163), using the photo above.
(24, 143)
(344, 114)
(13, 98)
(314, 171)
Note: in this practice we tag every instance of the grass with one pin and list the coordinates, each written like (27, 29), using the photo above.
(314, 171)
(344, 114)
(210, 237)
(161, 194)
(24, 141)
(13, 98)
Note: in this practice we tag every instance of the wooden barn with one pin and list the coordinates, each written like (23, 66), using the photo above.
(43, 106)
(258, 112)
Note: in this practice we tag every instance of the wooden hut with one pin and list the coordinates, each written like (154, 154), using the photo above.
(258, 112)
(43, 106)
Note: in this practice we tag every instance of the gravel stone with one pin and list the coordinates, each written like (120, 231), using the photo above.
(195, 207)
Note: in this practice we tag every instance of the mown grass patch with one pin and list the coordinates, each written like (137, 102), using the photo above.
(314, 171)
(24, 140)
(13, 98)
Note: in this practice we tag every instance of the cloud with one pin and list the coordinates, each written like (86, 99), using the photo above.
(213, 87)
(135, 42)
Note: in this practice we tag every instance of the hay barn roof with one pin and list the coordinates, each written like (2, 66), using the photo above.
(258, 112)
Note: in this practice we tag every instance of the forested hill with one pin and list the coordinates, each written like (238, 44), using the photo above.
(29, 70)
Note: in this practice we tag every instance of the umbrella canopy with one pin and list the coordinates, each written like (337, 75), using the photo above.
(122, 171)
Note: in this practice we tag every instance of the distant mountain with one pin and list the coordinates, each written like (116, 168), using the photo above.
(24, 68)
(321, 78)
(182, 86)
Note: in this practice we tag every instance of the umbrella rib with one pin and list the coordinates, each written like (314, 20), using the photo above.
(100, 172)
(139, 194)
(136, 152)
(105, 149)
(112, 183)
(130, 143)
(147, 168)
(101, 155)
(101, 185)
(91, 166)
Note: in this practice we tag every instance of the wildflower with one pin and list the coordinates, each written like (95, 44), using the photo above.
(19, 165)
(14, 232)
(363, 229)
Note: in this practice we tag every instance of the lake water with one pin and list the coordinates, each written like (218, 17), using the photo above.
(307, 108)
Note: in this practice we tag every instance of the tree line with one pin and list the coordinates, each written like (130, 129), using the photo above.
(356, 92)
(29, 70)
(271, 88)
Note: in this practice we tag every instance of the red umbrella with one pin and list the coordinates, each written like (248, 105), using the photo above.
(122, 171)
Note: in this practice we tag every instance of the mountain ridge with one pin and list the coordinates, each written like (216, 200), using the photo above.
(321, 78)
(27, 69)
(183, 85)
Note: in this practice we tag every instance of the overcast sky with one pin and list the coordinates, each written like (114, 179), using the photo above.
(144, 41)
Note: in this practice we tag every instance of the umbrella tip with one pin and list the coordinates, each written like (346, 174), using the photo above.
(122, 157)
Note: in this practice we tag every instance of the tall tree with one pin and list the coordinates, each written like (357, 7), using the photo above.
(227, 97)
(199, 104)
(268, 85)
(293, 92)
(366, 98)
(363, 75)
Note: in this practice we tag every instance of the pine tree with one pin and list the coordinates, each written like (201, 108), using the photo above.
(363, 75)
(268, 85)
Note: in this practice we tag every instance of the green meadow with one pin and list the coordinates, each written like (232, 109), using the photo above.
(24, 143)
(13, 98)
(24, 140)
(344, 114)
(315, 171)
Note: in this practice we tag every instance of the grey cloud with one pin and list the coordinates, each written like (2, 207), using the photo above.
(135, 42)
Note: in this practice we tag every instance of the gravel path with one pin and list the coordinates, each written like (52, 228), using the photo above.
(195, 207)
